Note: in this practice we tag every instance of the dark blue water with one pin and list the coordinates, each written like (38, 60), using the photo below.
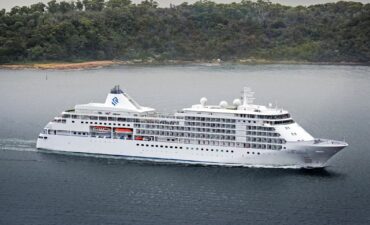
(41, 188)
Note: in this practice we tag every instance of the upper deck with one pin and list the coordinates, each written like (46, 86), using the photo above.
(120, 103)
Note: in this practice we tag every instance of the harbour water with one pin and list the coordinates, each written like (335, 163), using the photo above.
(41, 188)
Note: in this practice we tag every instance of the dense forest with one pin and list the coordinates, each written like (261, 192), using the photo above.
(119, 29)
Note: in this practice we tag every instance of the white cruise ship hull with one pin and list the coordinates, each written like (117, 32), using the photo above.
(296, 155)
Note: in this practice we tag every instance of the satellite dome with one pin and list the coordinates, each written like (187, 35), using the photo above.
(237, 102)
(203, 101)
(223, 104)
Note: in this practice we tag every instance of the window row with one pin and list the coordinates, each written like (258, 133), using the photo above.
(266, 140)
(271, 117)
(260, 128)
(102, 118)
(210, 119)
(101, 123)
(187, 148)
(280, 122)
(198, 124)
(266, 134)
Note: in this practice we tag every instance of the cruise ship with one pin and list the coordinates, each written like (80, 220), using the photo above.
(237, 134)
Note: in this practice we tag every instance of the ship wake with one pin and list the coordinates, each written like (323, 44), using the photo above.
(13, 144)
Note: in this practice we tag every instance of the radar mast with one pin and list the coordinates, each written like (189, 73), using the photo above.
(247, 96)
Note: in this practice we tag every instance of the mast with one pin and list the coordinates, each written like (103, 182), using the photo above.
(247, 96)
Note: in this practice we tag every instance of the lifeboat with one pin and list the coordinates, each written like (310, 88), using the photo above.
(138, 138)
(123, 130)
(100, 129)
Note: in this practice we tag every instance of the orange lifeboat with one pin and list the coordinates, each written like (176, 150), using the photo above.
(138, 138)
(123, 130)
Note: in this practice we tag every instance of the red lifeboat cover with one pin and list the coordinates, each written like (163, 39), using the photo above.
(123, 130)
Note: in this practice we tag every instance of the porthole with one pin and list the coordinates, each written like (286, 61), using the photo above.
(232, 151)
(137, 144)
(142, 144)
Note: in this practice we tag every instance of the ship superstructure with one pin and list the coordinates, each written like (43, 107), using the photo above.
(241, 134)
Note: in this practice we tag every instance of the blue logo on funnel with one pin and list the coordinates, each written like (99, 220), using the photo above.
(114, 101)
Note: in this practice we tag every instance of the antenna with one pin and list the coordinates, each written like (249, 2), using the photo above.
(247, 96)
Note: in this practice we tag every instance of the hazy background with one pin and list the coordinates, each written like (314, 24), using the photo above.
(8, 4)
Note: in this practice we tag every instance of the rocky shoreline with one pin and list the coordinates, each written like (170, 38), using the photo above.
(107, 63)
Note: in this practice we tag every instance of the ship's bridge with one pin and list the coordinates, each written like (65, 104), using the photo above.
(116, 101)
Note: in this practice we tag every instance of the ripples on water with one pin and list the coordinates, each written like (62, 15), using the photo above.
(43, 188)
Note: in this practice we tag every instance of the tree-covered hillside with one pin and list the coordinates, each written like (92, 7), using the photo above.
(118, 29)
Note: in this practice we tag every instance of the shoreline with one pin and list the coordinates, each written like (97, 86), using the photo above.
(108, 63)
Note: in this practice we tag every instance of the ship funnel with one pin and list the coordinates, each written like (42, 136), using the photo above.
(118, 98)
